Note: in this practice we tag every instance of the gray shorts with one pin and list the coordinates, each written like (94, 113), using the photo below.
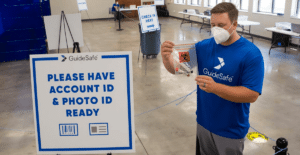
(211, 144)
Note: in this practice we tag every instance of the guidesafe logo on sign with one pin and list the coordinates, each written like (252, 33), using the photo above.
(80, 58)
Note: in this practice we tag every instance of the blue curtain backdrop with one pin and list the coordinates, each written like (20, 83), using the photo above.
(22, 30)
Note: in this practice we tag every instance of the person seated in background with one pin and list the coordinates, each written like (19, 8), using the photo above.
(115, 8)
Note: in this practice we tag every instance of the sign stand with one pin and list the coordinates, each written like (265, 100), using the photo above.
(63, 20)
(76, 47)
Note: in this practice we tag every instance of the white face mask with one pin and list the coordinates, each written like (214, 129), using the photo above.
(117, 3)
(220, 35)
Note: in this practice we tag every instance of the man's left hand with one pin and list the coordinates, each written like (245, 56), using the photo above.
(210, 84)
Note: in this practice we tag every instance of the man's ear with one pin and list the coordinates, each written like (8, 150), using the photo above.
(235, 23)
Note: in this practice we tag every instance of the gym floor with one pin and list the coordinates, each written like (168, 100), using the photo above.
(169, 130)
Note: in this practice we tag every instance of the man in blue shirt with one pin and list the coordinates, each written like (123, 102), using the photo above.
(114, 9)
(230, 77)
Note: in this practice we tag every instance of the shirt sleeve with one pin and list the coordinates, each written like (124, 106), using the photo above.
(253, 73)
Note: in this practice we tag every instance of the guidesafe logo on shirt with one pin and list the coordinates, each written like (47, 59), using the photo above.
(218, 75)
(222, 63)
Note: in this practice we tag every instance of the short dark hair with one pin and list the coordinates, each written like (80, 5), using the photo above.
(224, 7)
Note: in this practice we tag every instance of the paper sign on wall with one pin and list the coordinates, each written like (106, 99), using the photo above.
(82, 6)
(159, 2)
(83, 103)
(148, 18)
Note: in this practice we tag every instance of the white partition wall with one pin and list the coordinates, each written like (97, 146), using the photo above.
(96, 8)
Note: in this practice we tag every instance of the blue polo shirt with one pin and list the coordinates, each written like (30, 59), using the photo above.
(113, 7)
(239, 64)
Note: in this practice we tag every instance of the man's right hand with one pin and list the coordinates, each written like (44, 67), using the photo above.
(167, 49)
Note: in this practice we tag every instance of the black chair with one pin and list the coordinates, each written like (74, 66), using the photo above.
(207, 13)
(162, 11)
(110, 11)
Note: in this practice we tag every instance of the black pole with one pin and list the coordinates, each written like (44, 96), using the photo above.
(281, 144)
(119, 20)
(61, 16)
(65, 31)
(68, 27)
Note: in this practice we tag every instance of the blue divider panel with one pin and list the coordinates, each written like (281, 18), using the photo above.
(22, 30)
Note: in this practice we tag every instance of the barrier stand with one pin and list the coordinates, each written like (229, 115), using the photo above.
(119, 12)
(281, 146)
(121, 15)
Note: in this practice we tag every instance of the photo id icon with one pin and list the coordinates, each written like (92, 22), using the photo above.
(98, 129)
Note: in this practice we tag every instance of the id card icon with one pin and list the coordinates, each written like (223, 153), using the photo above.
(98, 129)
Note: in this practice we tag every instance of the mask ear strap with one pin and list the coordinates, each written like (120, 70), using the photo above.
(233, 30)
(230, 25)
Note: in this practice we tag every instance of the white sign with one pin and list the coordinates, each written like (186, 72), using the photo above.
(83, 103)
(148, 18)
(159, 2)
(82, 5)
(52, 24)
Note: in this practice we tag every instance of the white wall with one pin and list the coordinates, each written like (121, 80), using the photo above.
(96, 8)
(265, 20)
